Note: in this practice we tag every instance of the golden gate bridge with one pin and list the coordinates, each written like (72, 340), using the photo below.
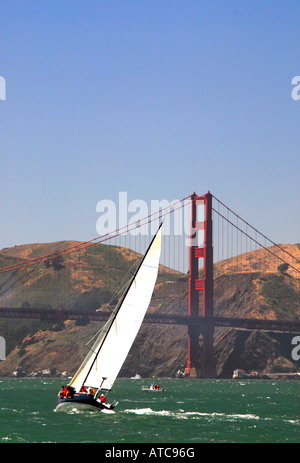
(205, 240)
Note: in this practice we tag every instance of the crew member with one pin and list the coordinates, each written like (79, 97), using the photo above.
(102, 398)
(70, 392)
(92, 391)
(63, 392)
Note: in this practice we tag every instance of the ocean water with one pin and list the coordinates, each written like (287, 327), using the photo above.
(188, 412)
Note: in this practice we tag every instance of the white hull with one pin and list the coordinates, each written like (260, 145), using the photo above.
(149, 389)
(69, 407)
(81, 407)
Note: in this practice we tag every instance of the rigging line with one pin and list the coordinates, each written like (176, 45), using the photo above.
(253, 228)
(266, 249)
(99, 239)
(124, 286)
(101, 329)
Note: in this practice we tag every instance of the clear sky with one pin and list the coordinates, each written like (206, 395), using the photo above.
(154, 98)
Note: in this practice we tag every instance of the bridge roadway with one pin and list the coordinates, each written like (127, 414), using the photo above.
(290, 326)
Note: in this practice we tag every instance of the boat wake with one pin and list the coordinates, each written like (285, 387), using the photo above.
(181, 414)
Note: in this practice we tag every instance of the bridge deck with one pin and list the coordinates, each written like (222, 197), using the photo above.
(289, 326)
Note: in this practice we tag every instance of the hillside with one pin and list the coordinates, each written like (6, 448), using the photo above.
(90, 280)
(85, 279)
(267, 259)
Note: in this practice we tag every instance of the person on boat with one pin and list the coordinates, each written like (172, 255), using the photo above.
(63, 392)
(91, 391)
(70, 392)
(83, 388)
(156, 387)
(102, 398)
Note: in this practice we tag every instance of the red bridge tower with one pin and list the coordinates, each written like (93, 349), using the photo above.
(194, 365)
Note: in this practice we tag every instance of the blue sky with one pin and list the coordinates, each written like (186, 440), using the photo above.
(154, 98)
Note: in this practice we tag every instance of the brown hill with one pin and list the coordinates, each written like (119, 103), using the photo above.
(159, 349)
(264, 259)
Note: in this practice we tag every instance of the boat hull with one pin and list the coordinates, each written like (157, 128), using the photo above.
(149, 389)
(82, 402)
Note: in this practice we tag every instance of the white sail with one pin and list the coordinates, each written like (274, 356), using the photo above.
(104, 361)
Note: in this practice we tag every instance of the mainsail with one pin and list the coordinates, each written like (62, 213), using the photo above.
(101, 366)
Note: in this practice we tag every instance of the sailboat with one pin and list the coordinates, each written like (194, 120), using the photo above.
(153, 388)
(96, 375)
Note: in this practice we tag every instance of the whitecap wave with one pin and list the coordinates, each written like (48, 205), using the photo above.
(181, 414)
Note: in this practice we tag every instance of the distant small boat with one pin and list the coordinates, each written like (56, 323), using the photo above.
(99, 370)
(136, 377)
(153, 388)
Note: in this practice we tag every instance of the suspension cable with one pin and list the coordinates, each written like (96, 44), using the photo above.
(248, 236)
(99, 239)
(257, 231)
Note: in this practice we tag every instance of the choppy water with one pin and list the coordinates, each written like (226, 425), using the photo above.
(190, 411)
